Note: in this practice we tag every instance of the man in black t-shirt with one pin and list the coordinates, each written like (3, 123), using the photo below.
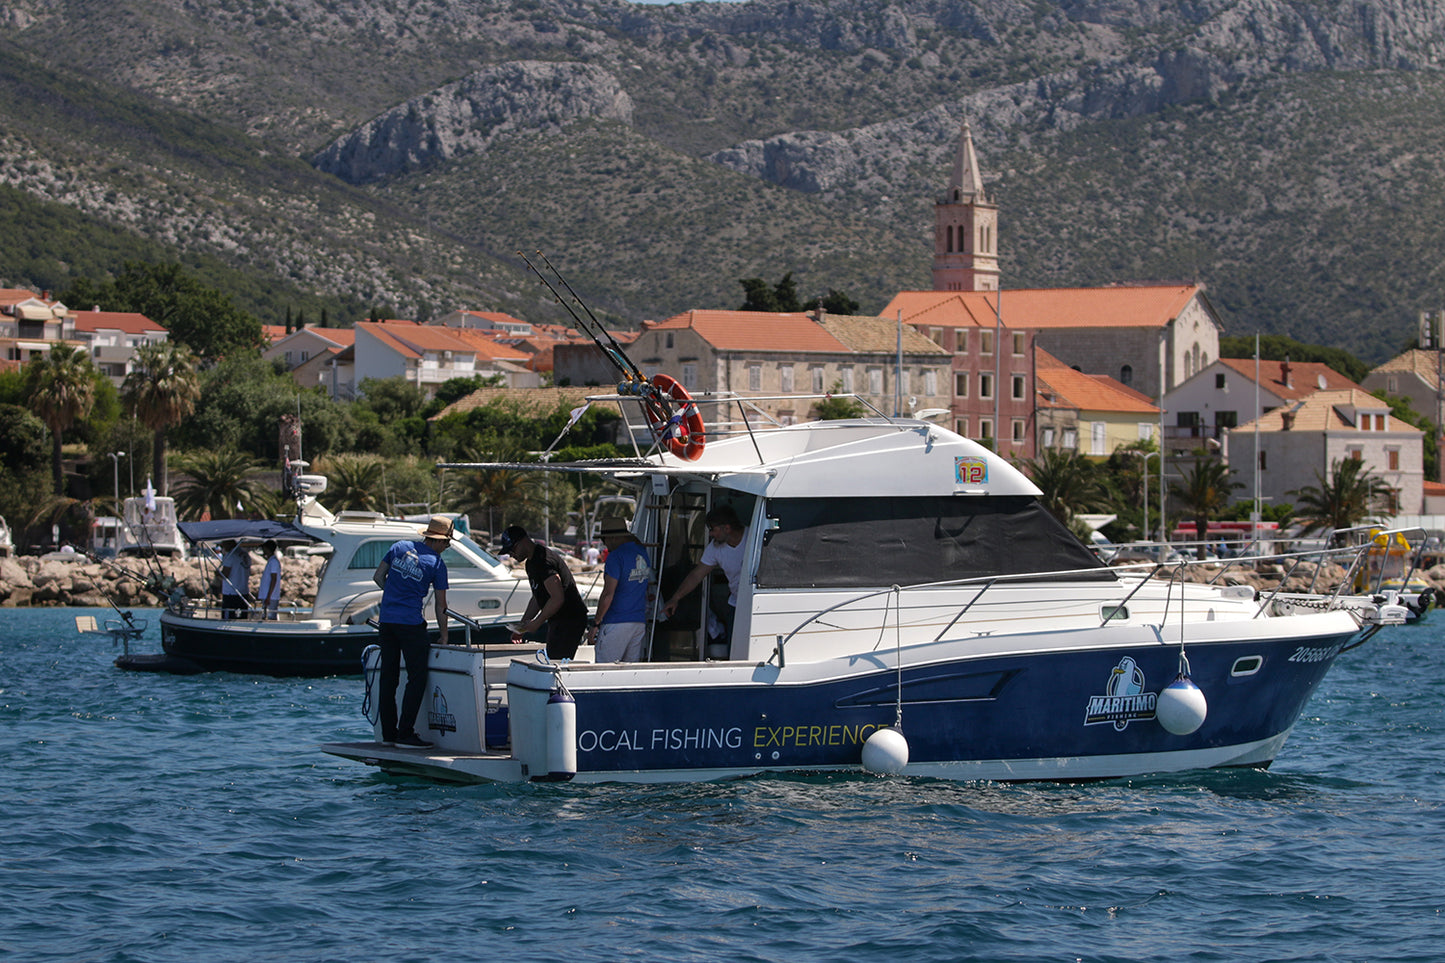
(555, 602)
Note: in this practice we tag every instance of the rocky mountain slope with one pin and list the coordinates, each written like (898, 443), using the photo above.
(400, 152)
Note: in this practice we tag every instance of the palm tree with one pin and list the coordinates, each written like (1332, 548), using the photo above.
(498, 491)
(218, 482)
(353, 482)
(161, 390)
(1351, 496)
(1205, 491)
(1070, 483)
(60, 385)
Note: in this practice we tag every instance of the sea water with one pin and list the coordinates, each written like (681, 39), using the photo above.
(164, 818)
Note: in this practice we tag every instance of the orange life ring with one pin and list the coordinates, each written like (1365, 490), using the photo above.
(683, 432)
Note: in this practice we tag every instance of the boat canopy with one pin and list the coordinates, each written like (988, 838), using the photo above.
(245, 529)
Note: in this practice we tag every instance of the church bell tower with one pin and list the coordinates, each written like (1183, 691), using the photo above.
(965, 236)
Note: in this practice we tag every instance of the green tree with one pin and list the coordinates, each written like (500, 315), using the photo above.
(1279, 347)
(60, 386)
(25, 484)
(1204, 492)
(833, 408)
(196, 316)
(353, 481)
(218, 482)
(161, 390)
(1351, 496)
(1070, 483)
(781, 297)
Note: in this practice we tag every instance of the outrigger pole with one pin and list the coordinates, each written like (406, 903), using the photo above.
(674, 418)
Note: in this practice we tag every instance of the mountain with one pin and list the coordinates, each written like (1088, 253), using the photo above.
(396, 155)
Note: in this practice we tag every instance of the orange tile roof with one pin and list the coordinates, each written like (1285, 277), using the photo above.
(1124, 306)
(874, 334)
(489, 347)
(1417, 361)
(1092, 392)
(127, 321)
(756, 331)
(1305, 377)
(412, 340)
(1319, 412)
(1434, 488)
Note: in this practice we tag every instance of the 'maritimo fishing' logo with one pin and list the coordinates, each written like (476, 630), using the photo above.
(438, 717)
(1125, 700)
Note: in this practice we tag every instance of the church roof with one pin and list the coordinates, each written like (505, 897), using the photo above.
(1121, 306)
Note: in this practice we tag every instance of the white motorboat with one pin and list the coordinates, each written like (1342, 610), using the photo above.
(906, 605)
(328, 636)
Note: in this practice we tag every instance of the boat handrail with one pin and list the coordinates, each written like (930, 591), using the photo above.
(1142, 573)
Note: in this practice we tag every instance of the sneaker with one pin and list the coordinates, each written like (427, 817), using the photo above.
(411, 741)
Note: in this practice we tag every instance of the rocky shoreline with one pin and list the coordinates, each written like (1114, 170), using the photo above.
(77, 580)
(49, 580)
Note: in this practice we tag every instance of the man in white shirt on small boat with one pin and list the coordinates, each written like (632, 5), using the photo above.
(725, 551)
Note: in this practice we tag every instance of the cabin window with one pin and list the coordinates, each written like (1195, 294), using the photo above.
(838, 542)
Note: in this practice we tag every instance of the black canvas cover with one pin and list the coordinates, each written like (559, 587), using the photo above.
(877, 542)
(239, 528)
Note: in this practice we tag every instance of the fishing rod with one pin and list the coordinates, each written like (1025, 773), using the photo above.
(672, 416)
(593, 329)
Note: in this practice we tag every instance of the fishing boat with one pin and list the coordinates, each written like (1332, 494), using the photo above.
(328, 635)
(905, 605)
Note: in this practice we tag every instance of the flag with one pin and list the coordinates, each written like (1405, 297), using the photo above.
(576, 415)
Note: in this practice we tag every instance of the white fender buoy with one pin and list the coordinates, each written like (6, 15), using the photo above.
(561, 736)
(1181, 707)
(886, 751)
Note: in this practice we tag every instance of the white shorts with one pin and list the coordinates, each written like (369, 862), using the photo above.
(620, 641)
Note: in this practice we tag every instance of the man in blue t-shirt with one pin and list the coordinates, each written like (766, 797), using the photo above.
(622, 610)
(408, 571)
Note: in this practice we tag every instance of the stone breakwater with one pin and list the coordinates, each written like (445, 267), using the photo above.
(50, 581)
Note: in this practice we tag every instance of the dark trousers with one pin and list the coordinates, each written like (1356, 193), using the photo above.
(233, 606)
(398, 642)
(563, 639)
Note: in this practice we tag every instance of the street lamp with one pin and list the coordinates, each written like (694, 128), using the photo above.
(1144, 457)
(115, 457)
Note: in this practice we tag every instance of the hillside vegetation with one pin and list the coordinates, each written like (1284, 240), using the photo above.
(378, 156)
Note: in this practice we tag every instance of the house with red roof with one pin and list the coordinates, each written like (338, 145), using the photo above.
(30, 324)
(112, 337)
(1203, 410)
(1293, 445)
(786, 362)
(1091, 414)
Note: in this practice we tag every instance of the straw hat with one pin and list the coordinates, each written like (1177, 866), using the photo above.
(614, 525)
(439, 527)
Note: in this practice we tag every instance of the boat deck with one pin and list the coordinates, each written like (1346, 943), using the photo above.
(491, 766)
